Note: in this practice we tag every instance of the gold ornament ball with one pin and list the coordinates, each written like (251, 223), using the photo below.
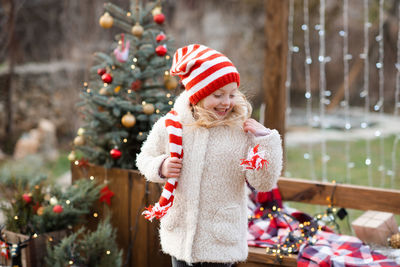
(128, 120)
(137, 30)
(79, 140)
(171, 83)
(148, 109)
(81, 131)
(72, 156)
(394, 241)
(106, 21)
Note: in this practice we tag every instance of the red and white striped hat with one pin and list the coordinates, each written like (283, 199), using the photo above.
(202, 70)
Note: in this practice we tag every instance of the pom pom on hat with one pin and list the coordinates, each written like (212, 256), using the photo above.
(203, 70)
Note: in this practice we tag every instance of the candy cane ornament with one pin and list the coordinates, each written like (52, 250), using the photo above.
(255, 159)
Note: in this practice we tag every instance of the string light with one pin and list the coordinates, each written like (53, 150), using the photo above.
(322, 86)
(308, 95)
(289, 58)
(76, 162)
(143, 102)
(379, 104)
(134, 59)
(70, 262)
(15, 217)
(125, 140)
(396, 105)
(346, 58)
(365, 92)
(95, 215)
(108, 252)
(91, 178)
(133, 67)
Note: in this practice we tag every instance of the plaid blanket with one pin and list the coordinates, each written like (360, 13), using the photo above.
(271, 224)
(332, 249)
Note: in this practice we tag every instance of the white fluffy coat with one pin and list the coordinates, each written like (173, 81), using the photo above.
(208, 219)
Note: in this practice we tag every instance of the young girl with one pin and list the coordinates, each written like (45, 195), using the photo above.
(207, 223)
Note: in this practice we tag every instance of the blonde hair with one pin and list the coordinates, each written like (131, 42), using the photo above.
(236, 117)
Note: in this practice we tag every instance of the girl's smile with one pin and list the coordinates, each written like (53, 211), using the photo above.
(221, 101)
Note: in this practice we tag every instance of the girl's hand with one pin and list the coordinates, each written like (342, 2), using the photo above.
(256, 128)
(171, 167)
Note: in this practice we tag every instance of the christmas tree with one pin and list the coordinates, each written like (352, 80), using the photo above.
(97, 248)
(32, 207)
(129, 89)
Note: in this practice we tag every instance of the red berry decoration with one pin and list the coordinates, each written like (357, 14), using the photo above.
(101, 71)
(107, 78)
(136, 85)
(58, 209)
(115, 153)
(161, 50)
(159, 18)
(160, 37)
(27, 198)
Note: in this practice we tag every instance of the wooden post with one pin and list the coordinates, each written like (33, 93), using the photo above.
(276, 47)
(135, 235)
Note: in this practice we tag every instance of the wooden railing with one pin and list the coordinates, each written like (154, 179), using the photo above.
(312, 192)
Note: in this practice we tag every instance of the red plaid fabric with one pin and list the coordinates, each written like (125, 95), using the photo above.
(264, 231)
(174, 129)
(327, 249)
(332, 249)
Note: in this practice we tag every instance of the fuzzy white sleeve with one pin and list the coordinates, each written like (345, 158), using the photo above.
(153, 153)
(265, 178)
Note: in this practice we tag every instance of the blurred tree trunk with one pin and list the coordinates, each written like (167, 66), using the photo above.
(276, 47)
(11, 49)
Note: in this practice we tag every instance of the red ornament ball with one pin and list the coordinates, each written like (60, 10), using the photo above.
(160, 37)
(115, 153)
(107, 78)
(58, 209)
(27, 198)
(161, 50)
(136, 85)
(159, 18)
(101, 71)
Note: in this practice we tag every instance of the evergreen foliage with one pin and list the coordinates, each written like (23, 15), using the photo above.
(87, 249)
(28, 205)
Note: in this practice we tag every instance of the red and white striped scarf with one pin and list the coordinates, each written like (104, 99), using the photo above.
(174, 130)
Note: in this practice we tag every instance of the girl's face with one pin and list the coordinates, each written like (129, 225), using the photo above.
(221, 101)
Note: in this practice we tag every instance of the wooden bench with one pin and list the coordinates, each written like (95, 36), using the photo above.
(319, 193)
